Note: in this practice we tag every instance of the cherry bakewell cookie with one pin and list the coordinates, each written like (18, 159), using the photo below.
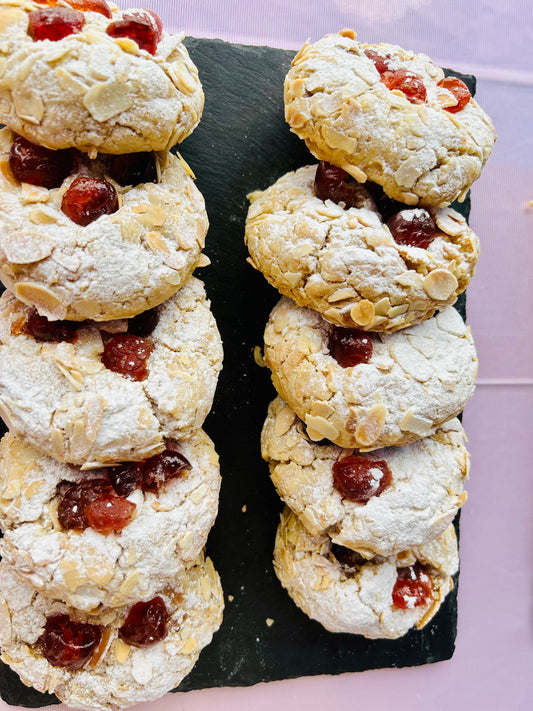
(388, 115)
(93, 393)
(108, 536)
(107, 80)
(126, 655)
(370, 390)
(377, 598)
(100, 239)
(377, 503)
(322, 239)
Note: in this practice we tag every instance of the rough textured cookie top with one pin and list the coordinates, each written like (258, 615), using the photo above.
(67, 403)
(420, 153)
(92, 91)
(117, 265)
(85, 567)
(346, 264)
(415, 380)
(416, 505)
(358, 598)
(118, 674)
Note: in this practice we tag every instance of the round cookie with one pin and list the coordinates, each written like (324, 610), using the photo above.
(66, 403)
(92, 91)
(86, 567)
(420, 501)
(421, 153)
(346, 264)
(415, 379)
(118, 674)
(356, 595)
(114, 267)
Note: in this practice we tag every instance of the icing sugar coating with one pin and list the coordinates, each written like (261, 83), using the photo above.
(358, 602)
(61, 398)
(417, 378)
(122, 675)
(92, 91)
(425, 493)
(420, 153)
(86, 568)
(346, 264)
(115, 267)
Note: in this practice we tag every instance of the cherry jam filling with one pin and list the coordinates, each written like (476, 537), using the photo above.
(146, 623)
(43, 330)
(37, 165)
(334, 183)
(414, 228)
(54, 23)
(67, 643)
(359, 479)
(142, 26)
(133, 168)
(87, 199)
(460, 91)
(350, 346)
(413, 587)
(127, 355)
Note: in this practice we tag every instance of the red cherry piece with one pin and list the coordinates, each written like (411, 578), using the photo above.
(109, 513)
(359, 479)
(37, 165)
(133, 168)
(125, 478)
(43, 330)
(159, 469)
(127, 355)
(413, 228)
(146, 623)
(349, 346)
(87, 199)
(334, 183)
(459, 89)
(140, 30)
(413, 587)
(148, 16)
(74, 501)
(408, 83)
(91, 6)
(348, 558)
(54, 23)
(67, 643)
(381, 61)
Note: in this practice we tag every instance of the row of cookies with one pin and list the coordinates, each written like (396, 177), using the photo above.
(370, 360)
(109, 357)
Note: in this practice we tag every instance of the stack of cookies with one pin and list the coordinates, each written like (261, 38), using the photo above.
(370, 360)
(109, 357)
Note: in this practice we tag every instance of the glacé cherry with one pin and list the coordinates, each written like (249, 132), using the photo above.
(74, 499)
(109, 513)
(133, 168)
(350, 346)
(413, 228)
(381, 61)
(67, 643)
(348, 558)
(37, 165)
(460, 91)
(127, 355)
(334, 183)
(54, 23)
(408, 83)
(99, 6)
(140, 26)
(149, 475)
(43, 330)
(359, 479)
(146, 623)
(87, 199)
(413, 587)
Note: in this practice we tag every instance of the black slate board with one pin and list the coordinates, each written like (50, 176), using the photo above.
(243, 144)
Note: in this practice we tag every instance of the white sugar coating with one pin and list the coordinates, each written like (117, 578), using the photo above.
(116, 266)
(61, 398)
(123, 675)
(91, 91)
(420, 153)
(86, 568)
(422, 499)
(416, 379)
(359, 601)
(346, 264)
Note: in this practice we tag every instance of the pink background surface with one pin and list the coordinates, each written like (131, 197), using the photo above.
(493, 663)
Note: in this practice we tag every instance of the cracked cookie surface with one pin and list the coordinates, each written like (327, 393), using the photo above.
(92, 91)
(119, 674)
(420, 153)
(84, 567)
(64, 401)
(358, 600)
(422, 499)
(118, 265)
(416, 378)
(346, 264)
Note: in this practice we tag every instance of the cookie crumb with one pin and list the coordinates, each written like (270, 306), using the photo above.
(269, 621)
(244, 508)
(231, 598)
(258, 357)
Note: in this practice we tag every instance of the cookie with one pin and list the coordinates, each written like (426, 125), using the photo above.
(115, 266)
(416, 139)
(402, 387)
(96, 88)
(345, 261)
(377, 598)
(118, 673)
(164, 527)
(158, 381)
(380, 503)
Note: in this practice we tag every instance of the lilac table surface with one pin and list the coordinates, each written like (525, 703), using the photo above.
(493, 662)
